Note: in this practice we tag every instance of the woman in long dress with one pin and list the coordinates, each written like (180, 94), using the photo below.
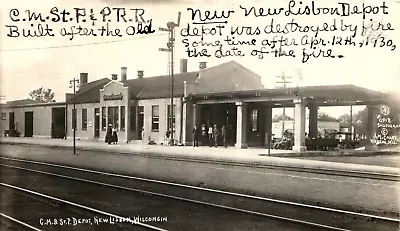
(114, 136)
(108, 134)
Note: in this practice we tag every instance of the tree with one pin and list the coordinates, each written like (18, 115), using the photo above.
(360, 120)
(345, 118)
(322, 116)
(42, 95)
(280, 118)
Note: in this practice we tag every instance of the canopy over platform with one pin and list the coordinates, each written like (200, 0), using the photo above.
(334, 95)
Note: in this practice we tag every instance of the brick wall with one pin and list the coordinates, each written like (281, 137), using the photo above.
(160, 135)
(87, 134)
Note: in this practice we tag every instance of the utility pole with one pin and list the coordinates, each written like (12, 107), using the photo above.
(170, 48)
(74, 83)
(284, 82)
(351, 122)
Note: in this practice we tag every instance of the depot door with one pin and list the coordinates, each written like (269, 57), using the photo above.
(11, 122)
(28, 124)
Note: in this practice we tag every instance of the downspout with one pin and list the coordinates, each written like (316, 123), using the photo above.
(181, 127)
(183, 99)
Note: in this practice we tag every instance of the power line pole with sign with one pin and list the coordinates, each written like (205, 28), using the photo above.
(170, 48)
(284, 81)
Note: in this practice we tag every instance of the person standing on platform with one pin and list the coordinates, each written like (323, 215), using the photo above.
(195, 136)
(109, 134)
(223, 133)
(203, 135)
(114, 136)
(210, 136)
(216, 135)
(142, 134)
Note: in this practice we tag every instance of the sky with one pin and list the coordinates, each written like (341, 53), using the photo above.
(26, 63)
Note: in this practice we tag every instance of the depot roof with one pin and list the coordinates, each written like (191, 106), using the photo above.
(333, 95)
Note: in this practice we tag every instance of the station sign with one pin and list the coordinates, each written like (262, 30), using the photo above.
(386, 127)
(113, 97)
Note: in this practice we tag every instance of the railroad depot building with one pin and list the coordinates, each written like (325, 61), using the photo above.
(227, 94)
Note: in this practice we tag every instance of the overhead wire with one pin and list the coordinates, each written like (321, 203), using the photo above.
(79, 45)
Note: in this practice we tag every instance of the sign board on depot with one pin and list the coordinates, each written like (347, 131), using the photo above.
(386, 127)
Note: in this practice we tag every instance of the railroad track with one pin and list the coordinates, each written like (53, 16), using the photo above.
(325, 171)
(54, 213)
(313, 216)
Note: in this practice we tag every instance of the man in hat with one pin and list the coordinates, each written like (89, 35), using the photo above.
(223, 134)
(216, 135)
(210, 136)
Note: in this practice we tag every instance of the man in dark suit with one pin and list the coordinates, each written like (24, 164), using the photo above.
(223, 134)
(195, 136)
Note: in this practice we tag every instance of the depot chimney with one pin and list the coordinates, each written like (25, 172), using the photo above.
(114, 76)
(202, 65)
(83, 78)
(123, 74)
(184, 65)
(139, 74)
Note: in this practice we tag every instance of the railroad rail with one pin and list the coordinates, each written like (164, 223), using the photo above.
(259, 206)
(326, 171)
(19, 223)
(53, 204)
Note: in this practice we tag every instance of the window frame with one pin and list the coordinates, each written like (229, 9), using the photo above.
(155, 119)
(113, 116)
(103, 118)
(122, 118)
(169, 118)
(84, 119)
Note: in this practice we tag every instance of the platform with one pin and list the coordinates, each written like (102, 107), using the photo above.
(251, 156)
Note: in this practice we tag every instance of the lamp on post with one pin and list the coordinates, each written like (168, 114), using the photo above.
(74, 84)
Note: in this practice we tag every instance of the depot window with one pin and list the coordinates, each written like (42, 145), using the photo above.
(171, 118)
(113, 117)
(122, 109)
(155, 115)
(103, 118)
(3, 116)
(84, 119)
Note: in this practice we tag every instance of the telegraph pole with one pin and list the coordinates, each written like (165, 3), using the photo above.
(170, 48)
(284, 82)
(351, 122)
(74, 83)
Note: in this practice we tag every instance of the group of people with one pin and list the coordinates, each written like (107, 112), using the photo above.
(111, 135)
(209, 136)
(206, 136)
